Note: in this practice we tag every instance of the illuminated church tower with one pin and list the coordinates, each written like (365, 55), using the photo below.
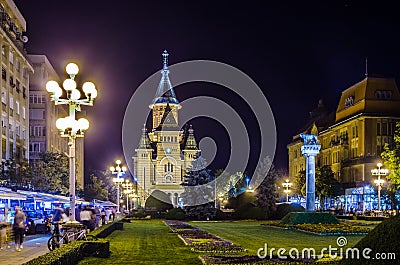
(166, 152)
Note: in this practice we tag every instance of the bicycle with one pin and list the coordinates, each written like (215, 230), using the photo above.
(57, 240)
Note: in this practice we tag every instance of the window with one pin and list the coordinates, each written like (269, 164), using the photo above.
(36, 114)
(11, 103)
(37, 99)
(11, 57)
(378, 129)
(3, 97)
(37, 130)
(17, 65)
(3, 121)
(4, 74)
(23, 112)
(17, 106)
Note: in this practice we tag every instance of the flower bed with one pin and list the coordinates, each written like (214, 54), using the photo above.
(248, 259)
(200, 240)
(325, 229)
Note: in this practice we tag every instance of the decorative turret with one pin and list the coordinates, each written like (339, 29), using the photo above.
(144, 142)
(190, 140)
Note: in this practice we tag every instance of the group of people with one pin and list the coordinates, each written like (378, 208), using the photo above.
(91, 217)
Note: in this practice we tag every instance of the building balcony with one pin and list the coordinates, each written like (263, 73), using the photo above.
(359, 160)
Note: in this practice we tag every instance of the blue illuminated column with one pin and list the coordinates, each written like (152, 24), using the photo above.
(310, 150)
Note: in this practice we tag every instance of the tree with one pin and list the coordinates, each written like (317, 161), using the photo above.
(326, 185)
(16, 174)
(266, 192)
(95, 189)
(391, 158)
(193, 198)
(52, 173)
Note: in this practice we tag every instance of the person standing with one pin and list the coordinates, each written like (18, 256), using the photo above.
(86, 216)
(19, 228)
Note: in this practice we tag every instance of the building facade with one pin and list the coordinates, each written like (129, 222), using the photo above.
(43, 134)
(353, 137)
(166, 152)
(14, 84)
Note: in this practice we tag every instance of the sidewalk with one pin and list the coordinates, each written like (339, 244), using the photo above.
(34, 246)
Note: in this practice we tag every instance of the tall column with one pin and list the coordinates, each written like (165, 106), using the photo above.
(310, 150)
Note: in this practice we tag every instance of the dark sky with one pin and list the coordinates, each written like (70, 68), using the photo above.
(296, 51)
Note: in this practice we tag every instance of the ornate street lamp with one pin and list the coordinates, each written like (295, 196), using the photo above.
(379, 182)
(68, 126)
(127, 190)
(287, 185)
(119, 171)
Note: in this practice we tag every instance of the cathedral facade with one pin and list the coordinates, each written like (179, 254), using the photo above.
(165, 152)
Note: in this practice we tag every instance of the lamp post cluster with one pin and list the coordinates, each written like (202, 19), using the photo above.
(379, 182)
(128, 189)
(287, 185)
(69, 126)
(119, 171)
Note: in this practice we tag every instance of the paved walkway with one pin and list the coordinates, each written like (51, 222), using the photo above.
(34, 246)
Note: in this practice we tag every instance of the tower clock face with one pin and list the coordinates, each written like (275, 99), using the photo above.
(168, 150)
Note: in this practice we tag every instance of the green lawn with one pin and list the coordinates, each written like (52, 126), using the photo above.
(151, 242)
(146, 242)
(252, 236)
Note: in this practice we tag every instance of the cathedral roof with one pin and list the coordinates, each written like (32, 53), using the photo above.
(168, 121)
(165, 92)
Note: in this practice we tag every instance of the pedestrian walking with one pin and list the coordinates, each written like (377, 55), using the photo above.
(19, 228)
(103, 217)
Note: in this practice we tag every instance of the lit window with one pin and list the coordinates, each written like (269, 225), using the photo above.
(11, 103)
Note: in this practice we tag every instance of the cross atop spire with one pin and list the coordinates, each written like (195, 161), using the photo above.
(165, 59)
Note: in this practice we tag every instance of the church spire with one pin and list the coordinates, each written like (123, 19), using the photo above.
(165, 91)
(190, 140)
(165, 59)
(144, 139)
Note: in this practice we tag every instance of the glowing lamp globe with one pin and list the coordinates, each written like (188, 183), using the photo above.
(61, 124)
(89, 89)
(83, 124)
(75, 94)
(69, 84)
(72, 69)
(118, 162)
(124, 168)
(51, 86)
(57, 92)
(112, 169)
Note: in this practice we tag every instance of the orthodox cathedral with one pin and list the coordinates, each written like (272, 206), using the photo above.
(165, 152)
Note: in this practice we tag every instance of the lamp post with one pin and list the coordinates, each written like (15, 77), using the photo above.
(68, 126)
(119, 171)
(379, 182)
(128, 189)
(287, 185)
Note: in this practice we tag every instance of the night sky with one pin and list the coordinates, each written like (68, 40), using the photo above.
(297, 52)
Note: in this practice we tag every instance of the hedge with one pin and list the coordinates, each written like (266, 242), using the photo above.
(309, 218)
(76, 250)
(175, 214)
(283, 209)
(73, 252)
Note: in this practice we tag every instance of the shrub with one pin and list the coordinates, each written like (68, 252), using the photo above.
(220, 215)
(153, 203)
(250, 211)
(309, 218)
(285, 208)
(175, 214)
(385, 238)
